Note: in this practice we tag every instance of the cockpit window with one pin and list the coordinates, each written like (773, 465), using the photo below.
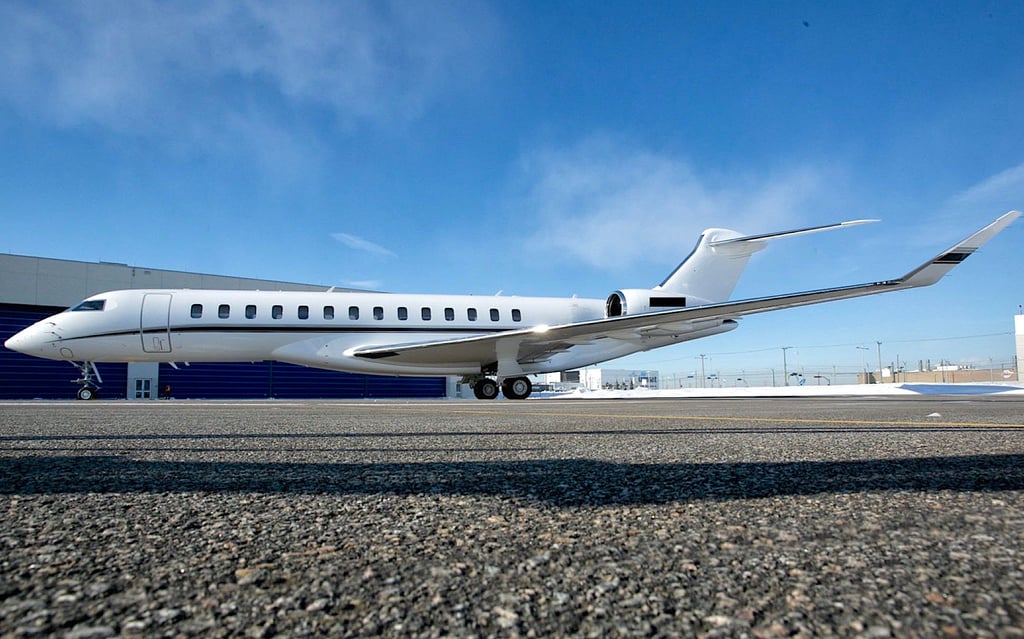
(90, 305)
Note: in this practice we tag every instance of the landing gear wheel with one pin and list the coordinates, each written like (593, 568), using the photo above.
(86, 393)
(485, 388)
(516, 388)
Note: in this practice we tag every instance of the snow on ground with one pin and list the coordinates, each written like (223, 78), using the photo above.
(798, 391)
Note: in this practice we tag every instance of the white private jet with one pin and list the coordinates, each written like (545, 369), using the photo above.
(501, 338)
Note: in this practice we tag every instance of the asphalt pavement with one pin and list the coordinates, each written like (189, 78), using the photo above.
(807, 517)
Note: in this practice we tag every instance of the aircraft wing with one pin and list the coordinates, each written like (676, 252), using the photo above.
(541, 342)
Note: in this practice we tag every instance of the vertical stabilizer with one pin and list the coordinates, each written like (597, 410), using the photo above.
(710, 273)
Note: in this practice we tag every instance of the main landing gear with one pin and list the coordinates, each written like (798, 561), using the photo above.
(89, 381)
(511, 388)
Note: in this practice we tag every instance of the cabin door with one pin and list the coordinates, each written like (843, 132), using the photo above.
(155, 323)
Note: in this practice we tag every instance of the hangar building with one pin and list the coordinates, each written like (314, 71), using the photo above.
(32, 288)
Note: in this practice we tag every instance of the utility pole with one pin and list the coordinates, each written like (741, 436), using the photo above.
(701, 370)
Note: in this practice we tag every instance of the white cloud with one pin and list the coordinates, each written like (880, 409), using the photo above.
(181, 68)
(610, 204)
(1002, 190)
(362, 284)
(359, 244)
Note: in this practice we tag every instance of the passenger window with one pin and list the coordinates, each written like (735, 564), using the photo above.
(197, 311)
(303, 312)
(224, 311)
(378, 312)
(403, 313)
(250, 311)
(517, 315)
(425, 313)
(471, 314)
(277, 311)
(494, 315)
(353, 312)
(328, 312)
(449, 314)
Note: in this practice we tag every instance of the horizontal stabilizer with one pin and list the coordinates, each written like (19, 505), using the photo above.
(772, 236)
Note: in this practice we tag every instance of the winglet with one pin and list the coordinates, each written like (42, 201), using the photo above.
(932, 271)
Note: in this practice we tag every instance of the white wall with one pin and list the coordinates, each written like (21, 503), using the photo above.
(1018, 324)
(40, 281)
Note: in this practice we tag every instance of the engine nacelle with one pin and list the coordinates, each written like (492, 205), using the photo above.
(636, 301)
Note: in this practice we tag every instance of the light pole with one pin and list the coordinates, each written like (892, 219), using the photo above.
(864, 362)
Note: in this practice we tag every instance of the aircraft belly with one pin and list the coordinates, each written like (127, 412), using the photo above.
(222, 347)
(334, 353)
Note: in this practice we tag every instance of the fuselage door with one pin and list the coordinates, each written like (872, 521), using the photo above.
(155, 323)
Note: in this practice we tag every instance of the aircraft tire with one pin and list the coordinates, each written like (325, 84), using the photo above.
(86, 393)
(516, 388)
(485, 388)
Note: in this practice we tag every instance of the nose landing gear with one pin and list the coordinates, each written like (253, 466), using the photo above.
(89, 381)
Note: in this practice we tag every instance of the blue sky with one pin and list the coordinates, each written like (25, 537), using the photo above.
(545, 148)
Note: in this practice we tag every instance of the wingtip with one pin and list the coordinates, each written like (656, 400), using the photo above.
(856, 222)
(933, 270)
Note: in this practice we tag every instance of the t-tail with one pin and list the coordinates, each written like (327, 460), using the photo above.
(710, 272)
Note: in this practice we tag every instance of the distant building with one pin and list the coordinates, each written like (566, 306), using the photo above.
(618, 379)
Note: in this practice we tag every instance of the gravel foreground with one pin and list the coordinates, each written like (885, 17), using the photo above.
(714, 518)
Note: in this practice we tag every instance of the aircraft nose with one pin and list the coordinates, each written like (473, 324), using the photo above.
(17, 342)
(34, 340)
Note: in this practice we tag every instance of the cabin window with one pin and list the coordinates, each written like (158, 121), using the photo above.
(90, 305)
(494, 315)
(277, 311)
(250, 311)
(425, 313)
(378, 312)
(303, 312)
(403, 313)
(353, 312)
(471, 314)
(197, 311)
(328, 312)
(517, 315)
(449, 314)
(224, 311)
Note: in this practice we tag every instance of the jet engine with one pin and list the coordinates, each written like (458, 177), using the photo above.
(636, 301)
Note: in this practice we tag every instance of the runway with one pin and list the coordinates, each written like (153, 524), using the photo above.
(870, 517)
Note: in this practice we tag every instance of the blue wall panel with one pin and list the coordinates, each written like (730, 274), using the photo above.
(24, 377)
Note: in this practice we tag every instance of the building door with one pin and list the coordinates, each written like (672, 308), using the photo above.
(143, 389)
(155, 323)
